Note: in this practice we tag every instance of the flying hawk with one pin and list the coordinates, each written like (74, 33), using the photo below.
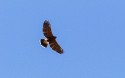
(50, 38)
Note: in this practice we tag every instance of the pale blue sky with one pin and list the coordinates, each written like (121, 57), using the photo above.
(91, 32)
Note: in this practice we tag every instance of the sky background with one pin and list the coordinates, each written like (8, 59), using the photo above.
(91, 32)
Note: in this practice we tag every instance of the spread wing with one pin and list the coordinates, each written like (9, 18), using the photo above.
(55, 46)
(47, 29)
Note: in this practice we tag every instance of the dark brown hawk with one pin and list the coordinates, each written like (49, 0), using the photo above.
(50, 38)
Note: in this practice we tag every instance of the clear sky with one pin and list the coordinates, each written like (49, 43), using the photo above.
(91, 32)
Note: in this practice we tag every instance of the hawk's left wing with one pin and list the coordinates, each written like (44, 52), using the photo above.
(47, 29)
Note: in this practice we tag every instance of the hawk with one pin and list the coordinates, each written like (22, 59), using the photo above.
(50, 38)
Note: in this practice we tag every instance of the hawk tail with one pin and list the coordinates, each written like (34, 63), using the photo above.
(44, 43)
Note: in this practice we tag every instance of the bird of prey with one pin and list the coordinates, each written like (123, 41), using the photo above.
(50, 38)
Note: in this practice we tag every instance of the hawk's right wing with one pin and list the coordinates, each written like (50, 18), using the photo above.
(47, 29)
(55, 46)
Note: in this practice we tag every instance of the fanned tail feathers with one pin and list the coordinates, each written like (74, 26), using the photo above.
(44, 43)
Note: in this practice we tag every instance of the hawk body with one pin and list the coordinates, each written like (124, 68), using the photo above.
(50, 39)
